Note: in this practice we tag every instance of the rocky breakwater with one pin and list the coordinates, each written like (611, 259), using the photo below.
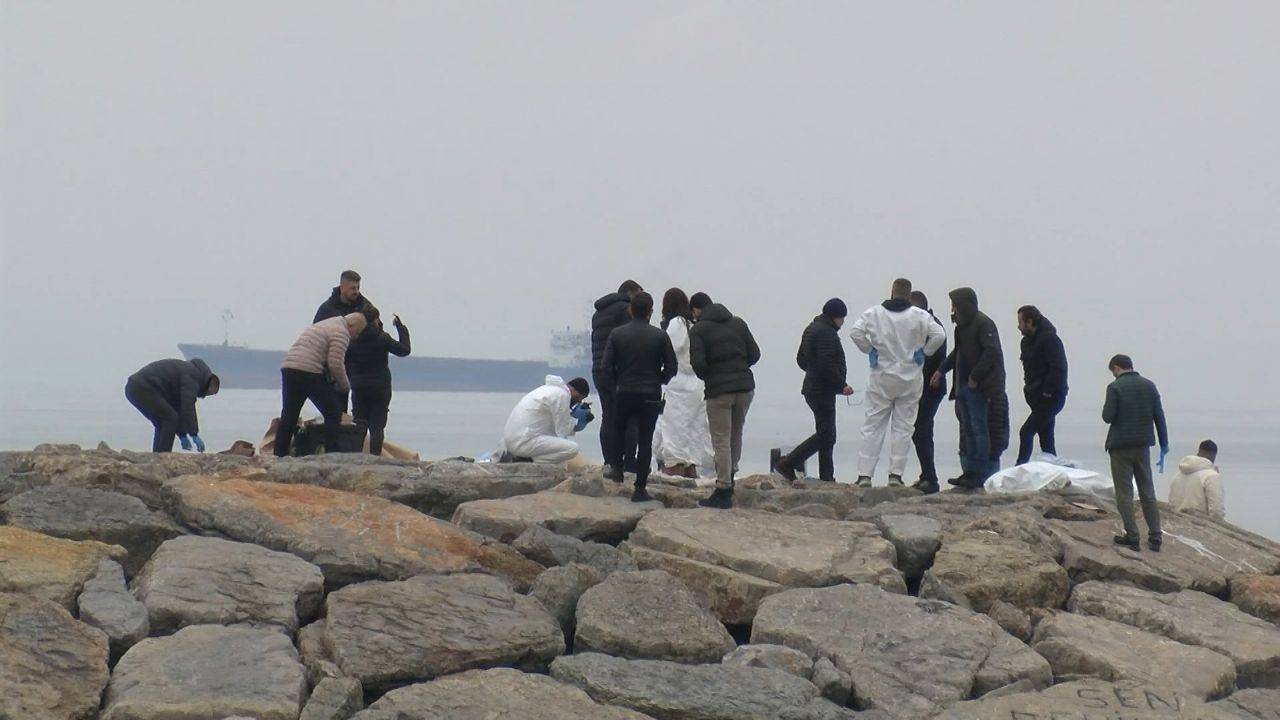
(143, 587)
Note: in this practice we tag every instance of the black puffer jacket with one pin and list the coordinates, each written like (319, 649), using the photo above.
(638, 358)
(1044, 365)
(722, 351)
(180, 382)
(335, 307)
(612, 310)
(367, 365)
(977, 355)
(932, 364)
(821, 357)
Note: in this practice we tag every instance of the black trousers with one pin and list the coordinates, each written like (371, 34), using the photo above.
(163, 416)
(1041, 422)
(638, 410)
(296, 388)
(822, 441)
(370, 406)
(923, 437)
(607, 410)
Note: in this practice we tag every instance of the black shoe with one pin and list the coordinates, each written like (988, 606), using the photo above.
(928, 487)
(612, 473)
(962, 481)
(1126, 541)
(721, 499)
(640, 495)
(1155, 543)
(784, 470)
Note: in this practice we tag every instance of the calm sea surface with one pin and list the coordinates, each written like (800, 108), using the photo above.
(449, 424)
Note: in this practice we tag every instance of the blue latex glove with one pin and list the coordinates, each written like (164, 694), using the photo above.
(583, 416)
(919, 356)
(186, 443)
(1164, 450)
(198, 442)
(874, 357)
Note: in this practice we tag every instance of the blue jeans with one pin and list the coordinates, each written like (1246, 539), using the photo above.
(975, 433)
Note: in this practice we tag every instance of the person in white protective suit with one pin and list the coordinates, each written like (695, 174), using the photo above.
(682, 442)
(541, 424)
(897, 336)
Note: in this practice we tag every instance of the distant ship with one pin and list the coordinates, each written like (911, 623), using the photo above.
(249, 369)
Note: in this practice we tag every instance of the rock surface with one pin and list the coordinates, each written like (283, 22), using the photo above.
(1089, 699)
(391, 633)
(1012, 620)
(773, 657)
(49, 567)
(1192, 618)
(560, 588)
(208, 671)
(209, 581)
(1258, 595)
(51, 666)
(551, 549)
(916, 539)
(106, 604)
(978, 568)
(1251, 704)
(648, 615)
(906, 656)
(334, 699)
(492, 694)
(604, 519)
(350, 537)
(675, 691)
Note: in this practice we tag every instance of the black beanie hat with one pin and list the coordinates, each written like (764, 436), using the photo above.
(580, 384)
(835, 308)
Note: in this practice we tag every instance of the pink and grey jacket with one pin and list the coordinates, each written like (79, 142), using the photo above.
(322, 345)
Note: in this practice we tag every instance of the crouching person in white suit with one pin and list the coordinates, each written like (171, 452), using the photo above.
(541, 424)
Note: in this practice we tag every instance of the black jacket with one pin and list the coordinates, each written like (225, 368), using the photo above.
(1044, 365)
(612, 311)
(367, 356)
(335, 307)
(977, 354)
(821, 357)
(638, 358)
(180, 382)
(932, 364)
(722, 351)
(1133, 409)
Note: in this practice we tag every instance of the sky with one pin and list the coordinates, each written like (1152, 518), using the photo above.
(491, 168)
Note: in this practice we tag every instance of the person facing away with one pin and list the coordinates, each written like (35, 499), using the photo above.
(897, 336)
(1198, 485)
(682, 440)
(346, 298)
(722, 352)
(638, 361)
(315, 369)
(540, 425)
(370, 373)
(1132, 409)
(982, 406)
(821, 357)
(612, 311)
(1044, 371)
(930, 400)
(165, 392)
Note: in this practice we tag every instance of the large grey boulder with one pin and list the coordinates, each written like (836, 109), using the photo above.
(675, 691)
(208, 672)
(732, 559)
(492, 694)
(907, 656)
(650, 615)
(773, 657)
(209, 581)
(1085, 646)
(978, 568)
(1089, 699)
(51, 666)
(551, 549)
(334, 699)
(390, 633)
(1253, 704)
(1258, 595)
(78, 513)
(916, 539)
(603, 519)
(1193, 618)
(559, 589)
(105, 603)
(49, 567)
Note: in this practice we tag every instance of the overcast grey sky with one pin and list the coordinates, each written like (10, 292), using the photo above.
(493, 167)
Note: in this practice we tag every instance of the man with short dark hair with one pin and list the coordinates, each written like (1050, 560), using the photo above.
(611, 311)
(1198, 485)
(638, 360)
(1132, 409)
(930, 400)
(539, 427)
(698, 302)
(346, 298)
(1044, 371)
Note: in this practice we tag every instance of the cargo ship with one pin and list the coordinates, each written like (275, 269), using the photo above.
(570, 356)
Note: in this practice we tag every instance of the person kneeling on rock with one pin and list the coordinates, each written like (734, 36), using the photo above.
(540, 425)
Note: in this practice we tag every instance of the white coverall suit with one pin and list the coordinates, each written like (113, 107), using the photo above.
(893, 393)
(540, 425)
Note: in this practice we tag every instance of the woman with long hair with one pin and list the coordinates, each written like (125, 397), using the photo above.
(682, 441)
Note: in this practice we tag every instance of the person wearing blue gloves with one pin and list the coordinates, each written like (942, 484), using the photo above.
(896, 336)
(540, 425)
(1132, 409)
(165, 392)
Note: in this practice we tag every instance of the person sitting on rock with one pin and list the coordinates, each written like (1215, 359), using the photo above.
(165, 392)
(540, 425)
(1198, 485)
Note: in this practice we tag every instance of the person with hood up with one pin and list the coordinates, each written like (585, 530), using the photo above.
(315, 369)
(540, 425)
(346, 298)
(982, 406)
(930, 400)
(165, 392)
(612, 311)
(1198, 485)
(370, 374)
(682, 440)
(1133, 408)
(722, 351)
(1044, 370)
(821, 357)
(897, 336)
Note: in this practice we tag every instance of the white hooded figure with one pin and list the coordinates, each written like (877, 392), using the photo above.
(540, 425)
(1198, 488)
(683, 436)
(897, 336)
